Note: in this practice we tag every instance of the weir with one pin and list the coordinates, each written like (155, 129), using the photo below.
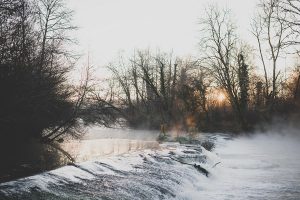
(92, 149)
(258, 167)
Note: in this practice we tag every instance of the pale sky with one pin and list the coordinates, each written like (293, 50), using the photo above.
(107, 27)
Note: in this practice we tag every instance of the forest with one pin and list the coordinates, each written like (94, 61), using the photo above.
(231, 87)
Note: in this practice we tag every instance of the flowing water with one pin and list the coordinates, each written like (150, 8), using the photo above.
(263, 166)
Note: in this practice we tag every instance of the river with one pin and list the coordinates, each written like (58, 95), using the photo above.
(260, 166)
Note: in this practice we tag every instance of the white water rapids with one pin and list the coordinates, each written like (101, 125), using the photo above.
(263, 166)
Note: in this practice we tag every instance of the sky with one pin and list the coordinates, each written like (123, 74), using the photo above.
(108, 27)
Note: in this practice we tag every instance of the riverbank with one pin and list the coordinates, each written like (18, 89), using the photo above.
(98, 142)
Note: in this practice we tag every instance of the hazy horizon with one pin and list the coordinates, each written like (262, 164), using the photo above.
(107, 28)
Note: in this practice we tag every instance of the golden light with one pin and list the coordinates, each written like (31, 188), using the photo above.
(221, 97)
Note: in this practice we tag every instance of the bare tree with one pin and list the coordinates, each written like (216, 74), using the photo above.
(148, 84)
(54, 20)
(272, 34)
(220, 47)
(71, 121)
(290, 13)
(17, 38)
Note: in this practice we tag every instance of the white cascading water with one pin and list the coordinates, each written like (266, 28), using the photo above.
(261, 166)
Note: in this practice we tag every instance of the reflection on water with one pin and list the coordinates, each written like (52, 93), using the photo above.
(92, 149)
(120, 133)
(99, 142)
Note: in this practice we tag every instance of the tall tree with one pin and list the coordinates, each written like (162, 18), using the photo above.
(272, 34)
(289, 12)
(55, 22)
(243, 76)
(220, 45)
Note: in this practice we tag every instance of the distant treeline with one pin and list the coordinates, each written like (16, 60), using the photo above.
(158, 89)
(154, 90)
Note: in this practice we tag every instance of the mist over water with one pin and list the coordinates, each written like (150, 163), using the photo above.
(260, 166)
(120, 133)
(99, 142)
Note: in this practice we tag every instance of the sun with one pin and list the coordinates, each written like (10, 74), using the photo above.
(221, 97)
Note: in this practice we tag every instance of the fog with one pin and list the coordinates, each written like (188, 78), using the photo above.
(260, 166)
